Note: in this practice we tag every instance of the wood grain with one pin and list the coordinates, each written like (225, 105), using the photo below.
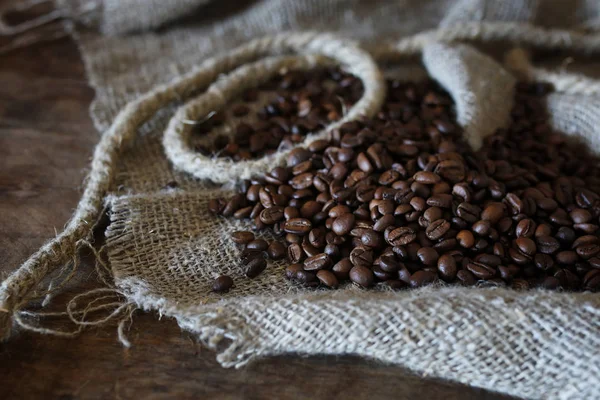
(46, 139)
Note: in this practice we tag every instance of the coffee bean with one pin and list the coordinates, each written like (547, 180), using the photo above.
(372, 239)
(361, 256)
(426, 177)
(422, 278)
(222, 284)
(480, 270)
(295, 253)
(526, 245)
(466, 277)
(440, 200)
(271, 215)
(362, 275)
(400, 236)
(258, 244)
(343, 224)
(342, 268)
(493, 212)
(566, 257)
(316, 262)
(297, 226)
(297, 156)
(306, 277)
(292, 270)
(327, 278)
(242, 237)
(547, 244)
(465, 239)
(428, 256)
(255, 266)
(591, 280)
(437, 229)
(525, 228)
(276, 250)
(447, 268)
(468, 212)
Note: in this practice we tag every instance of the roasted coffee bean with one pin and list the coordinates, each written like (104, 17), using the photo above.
(297, 226)
(440, 200)
(255, 266)
(316, 262)
(447, 268)
(525, 228)
(327, 278)
(361, 256)
(480, 270)
(591, 280)
(222, 284)
(372, 239)
(428, 255)
(276, 250)
(566, 257)
(400, 236)
(242, 237)
(362, 275)
(342, 268)
(526, 245)
(292, 270)
(306, 277)
(437, 229)
(271, 215)
(493, 212)
(295, 253)
(343, 224)
(258, 244)
(422, 278)
(465, 239)
(468, 212)
(547, 244)
(426, 177)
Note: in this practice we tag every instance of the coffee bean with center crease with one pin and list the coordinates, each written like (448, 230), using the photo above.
(480, 270)
(525, 228)
(468, 212)
(400, 236)
(317, 262)
(361, 256)
(297, 226)
(547, 244)
(437, 229)
(271, 215)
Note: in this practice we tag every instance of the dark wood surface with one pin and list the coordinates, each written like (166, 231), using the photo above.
(46, 139)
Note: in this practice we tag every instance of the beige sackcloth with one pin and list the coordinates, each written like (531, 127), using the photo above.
(158, 63)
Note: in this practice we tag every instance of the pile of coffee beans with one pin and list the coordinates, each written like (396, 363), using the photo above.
(401, 200)
(302, 103)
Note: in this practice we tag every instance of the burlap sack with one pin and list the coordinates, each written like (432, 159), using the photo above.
(165, 249)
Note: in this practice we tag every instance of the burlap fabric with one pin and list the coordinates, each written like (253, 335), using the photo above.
(165, 249)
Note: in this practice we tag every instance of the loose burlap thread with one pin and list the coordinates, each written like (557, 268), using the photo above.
(165, 249)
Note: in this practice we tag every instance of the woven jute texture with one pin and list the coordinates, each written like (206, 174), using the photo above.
(165, 249)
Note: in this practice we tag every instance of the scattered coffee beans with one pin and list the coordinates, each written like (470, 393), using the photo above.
(222, 284)
(402, 200)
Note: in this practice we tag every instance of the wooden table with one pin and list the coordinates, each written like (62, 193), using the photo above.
(46, 139)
